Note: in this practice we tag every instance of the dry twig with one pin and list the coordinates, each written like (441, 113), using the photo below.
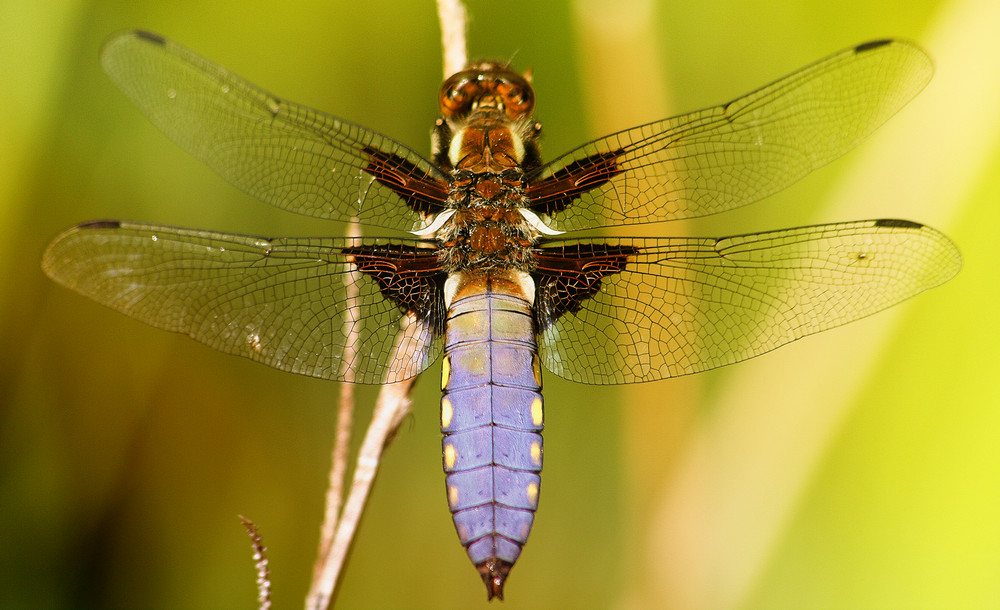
(453, 19)
(342, 438)
(393, 402)
(261, 563)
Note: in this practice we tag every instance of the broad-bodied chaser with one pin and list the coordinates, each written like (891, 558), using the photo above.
(490, 275)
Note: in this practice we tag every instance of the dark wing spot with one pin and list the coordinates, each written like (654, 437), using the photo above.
(899, 224)
(151, 37)
(100, 224)
(872, 44)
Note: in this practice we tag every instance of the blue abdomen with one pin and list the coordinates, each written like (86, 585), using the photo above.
(491, 417)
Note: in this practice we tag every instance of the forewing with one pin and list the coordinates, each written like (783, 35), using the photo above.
(734, 154)
(298, 305)
(290, 156)
(680, 306)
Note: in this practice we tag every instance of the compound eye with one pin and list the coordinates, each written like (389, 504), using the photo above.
(456, 96)
(517, 100)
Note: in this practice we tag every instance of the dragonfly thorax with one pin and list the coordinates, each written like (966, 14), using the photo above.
(487, 141)
(487, 229)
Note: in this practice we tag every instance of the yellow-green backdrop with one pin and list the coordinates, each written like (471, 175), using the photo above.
(859, 468)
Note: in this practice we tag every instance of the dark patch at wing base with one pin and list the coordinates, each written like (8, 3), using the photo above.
(556, 192)
(421, 192)
(566, 276)
(410, 277)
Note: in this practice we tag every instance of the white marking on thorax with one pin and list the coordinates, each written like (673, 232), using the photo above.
(455, 147)
(518, 146)
(536, 222)
(435, 224)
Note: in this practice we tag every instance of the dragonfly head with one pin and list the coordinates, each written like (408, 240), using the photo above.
(487, 85)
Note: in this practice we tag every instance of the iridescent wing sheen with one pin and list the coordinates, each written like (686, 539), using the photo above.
(287, 303)
(288, 155)
(677, 306)
(725, 157)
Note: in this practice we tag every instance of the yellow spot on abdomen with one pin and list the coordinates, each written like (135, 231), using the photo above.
(536, 411)
(536, 453)
(445, 371)
(450, 455)
(532, 492)
(537, 369)
(447, 412)
(452, 496)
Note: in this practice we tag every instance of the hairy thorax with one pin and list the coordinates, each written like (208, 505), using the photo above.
(487, 229)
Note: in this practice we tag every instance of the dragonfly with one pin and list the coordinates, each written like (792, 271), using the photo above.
(486, 272)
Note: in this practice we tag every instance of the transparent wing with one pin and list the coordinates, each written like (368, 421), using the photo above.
(681, 305)
(288, 155)
(284, 302)
(734, 154)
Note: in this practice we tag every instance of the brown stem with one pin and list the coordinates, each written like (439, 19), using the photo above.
(393, 401)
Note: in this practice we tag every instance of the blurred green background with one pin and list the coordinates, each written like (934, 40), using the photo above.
(858, 468)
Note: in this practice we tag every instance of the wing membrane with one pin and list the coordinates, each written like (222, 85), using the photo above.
(682, 305)
(725, 157)
(288, 155)
(283, 302)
